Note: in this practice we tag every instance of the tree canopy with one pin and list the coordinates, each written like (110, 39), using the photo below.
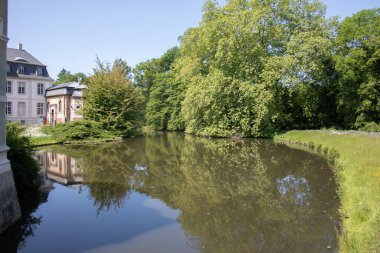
(111, 99)
(251, 68)
(65, 76)
(162, 91)
(358, 65)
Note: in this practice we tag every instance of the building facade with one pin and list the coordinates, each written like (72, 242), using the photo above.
(27, 81)
(9, 206)
(64, 103)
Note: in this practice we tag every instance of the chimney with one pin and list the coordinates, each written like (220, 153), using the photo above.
(19, 46)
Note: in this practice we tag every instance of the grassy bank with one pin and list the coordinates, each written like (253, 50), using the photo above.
(357, 165)
(48, 140)
(43, 141)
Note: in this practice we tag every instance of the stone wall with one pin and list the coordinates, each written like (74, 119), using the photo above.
(9, 207)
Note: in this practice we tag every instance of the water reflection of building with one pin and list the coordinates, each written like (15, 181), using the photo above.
(46, 184)
(60, 168)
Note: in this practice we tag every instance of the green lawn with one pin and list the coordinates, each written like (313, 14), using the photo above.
(357, 165)
(45, 141)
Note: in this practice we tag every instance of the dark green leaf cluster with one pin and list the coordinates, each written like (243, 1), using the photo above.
(358, 65)
(24, 167)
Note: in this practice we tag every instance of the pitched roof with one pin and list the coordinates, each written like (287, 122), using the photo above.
(16, 55)
(74, 85)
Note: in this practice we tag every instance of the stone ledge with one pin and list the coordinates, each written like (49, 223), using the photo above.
(5, 167)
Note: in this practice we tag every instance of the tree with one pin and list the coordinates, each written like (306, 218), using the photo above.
(358, 64)
(232, 62)
(163, 93)
(304, 79)
(65, 76)
(112, 99)
(145, 72)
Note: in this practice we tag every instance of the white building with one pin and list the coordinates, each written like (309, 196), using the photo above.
(27, 80)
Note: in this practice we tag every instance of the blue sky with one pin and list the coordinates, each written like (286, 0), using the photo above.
(70, 33)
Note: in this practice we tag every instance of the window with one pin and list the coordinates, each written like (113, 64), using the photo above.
(60, 106)
(20, 69)
(40, 108)
(8, 68)
(21, 87)
(21, 108)
(39, 72)
(40, 89)
(8, 87)
(8, 108)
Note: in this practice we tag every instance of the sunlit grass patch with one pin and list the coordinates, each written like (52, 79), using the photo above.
(43, 141)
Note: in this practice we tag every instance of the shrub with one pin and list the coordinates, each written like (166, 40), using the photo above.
(78, 130)
(24, 167)
(370, 127)
(112, 100)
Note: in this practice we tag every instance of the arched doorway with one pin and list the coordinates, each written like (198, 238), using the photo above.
(52, 117)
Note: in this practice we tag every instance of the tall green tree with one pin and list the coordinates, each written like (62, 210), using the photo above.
(305, 78)
(162, 91)
(254, 61)
(65, 76)
(145, 72)
(112, 99)
(358, 64)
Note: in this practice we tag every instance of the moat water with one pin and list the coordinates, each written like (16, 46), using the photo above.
(179, 193)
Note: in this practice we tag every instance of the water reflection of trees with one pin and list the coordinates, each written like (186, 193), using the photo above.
(108, 171)
(108, 195)
(247, 196)
(231, 200)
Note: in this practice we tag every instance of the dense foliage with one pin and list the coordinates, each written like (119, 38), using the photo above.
(24, 167)
(77, 130)
(65, 76)
(163, 93)
(358, 64)
(252, 68)
(112, 100)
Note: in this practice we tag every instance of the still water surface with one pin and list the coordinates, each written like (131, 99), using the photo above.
(178, 193)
